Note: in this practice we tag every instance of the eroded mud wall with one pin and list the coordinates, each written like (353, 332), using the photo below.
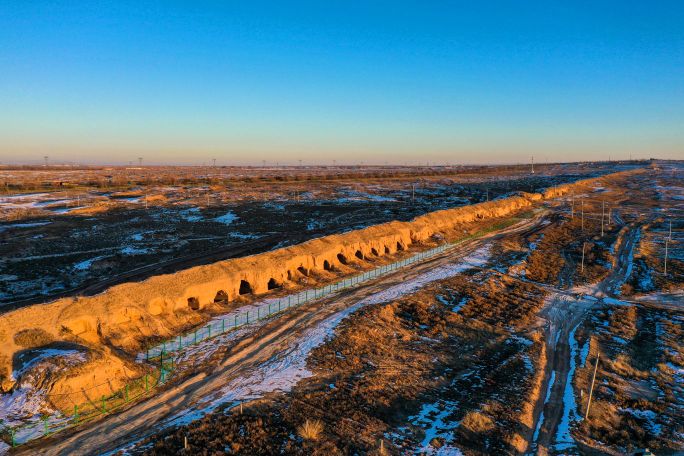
(127, 314)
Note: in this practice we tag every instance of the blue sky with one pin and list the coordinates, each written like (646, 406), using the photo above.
(398, 82)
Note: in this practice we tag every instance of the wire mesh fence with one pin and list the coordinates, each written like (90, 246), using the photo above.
(273, 306)
(89, 409)
(161, 356)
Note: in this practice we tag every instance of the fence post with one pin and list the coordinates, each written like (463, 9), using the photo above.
(236, 315)
(248, 317)
(12, 433)
(161, 367)
(180, 342)
(45, 425)
(195, 336)
(209, 331)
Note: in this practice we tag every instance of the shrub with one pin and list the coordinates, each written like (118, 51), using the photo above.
(310, 430)
(29, 338)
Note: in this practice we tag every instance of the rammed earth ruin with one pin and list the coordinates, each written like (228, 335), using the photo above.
(127, 315)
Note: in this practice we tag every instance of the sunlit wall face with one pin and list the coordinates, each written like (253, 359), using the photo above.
(408, 82)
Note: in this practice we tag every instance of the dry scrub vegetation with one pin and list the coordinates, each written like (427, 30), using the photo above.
(639, 394)
(557, 257)
(648, 274)
(457, 345)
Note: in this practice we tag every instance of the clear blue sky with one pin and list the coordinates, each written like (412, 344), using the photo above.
(185, 82)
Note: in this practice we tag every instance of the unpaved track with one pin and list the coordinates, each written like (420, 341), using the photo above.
(269, 341)
(564, 313)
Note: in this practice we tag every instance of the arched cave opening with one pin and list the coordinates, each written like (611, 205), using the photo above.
(221, 296)
(245, 287)
(193, 303)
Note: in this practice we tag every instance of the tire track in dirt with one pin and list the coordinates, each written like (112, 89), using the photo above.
(563, 314)
(266, 343)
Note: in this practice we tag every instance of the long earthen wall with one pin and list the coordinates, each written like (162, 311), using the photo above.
(128, 313)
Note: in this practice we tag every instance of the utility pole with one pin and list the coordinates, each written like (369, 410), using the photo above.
(45, 157)
(591, 390)
(665, 268)
(583, 245)
(582, 216)
(533, 164)
(214, 161)
(572, 206)
(140, 161)
(603, 213)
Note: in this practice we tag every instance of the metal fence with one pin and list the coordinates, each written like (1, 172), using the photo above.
(161, 356)
(273, 306)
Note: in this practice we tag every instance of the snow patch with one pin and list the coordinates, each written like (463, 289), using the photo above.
(228, 218)
(563, 437)
(433, 418)
(86, 264)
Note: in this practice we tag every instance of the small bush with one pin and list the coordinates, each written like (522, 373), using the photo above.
(310, 430)
(29, 338)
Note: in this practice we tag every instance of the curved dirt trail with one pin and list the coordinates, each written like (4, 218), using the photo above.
(564, 312)
(266, 344)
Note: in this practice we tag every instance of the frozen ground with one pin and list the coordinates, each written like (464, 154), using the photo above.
(288, 367)
(186, 226)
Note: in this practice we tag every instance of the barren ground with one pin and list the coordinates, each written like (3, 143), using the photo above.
(485, 349)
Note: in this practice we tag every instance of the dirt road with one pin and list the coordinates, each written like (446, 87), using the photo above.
(273, 339)
(564, 312)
